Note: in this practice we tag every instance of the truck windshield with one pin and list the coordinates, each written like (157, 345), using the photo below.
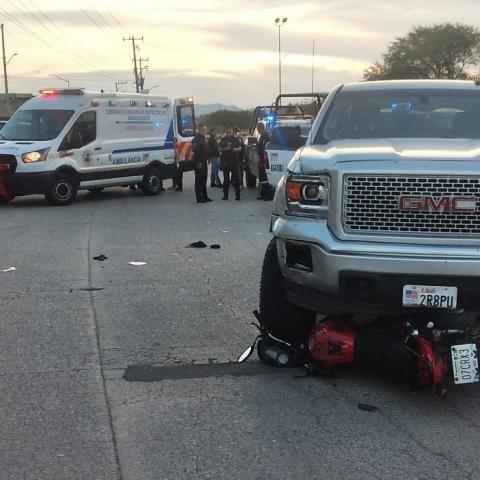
(402, 114)
(35, 124)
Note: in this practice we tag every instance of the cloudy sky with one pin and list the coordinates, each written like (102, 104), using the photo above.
(217, 50)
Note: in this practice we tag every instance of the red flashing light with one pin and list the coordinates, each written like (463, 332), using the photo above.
(62, 91)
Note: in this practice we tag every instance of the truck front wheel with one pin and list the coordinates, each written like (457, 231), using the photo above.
(282, 318)
(63, 190)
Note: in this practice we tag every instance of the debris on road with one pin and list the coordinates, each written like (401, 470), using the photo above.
(137, 264)
(215, 246)
(101, 258)
(198, 244)
(366, 407)
(8, 269)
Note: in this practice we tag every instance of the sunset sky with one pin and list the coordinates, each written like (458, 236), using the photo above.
(217, 50)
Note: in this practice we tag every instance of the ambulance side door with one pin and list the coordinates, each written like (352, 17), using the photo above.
(79, 142)
(184, 127)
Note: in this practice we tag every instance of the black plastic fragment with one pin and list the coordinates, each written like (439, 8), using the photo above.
(215, 246)
(366, 407)
(198, 244)
(101, 258)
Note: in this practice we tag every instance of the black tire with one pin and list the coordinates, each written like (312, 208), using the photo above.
(96, 190)
(152, 182)
(251, 179)
(63, 190)
(282, 318)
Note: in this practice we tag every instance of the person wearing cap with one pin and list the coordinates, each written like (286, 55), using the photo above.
(200, 157)
(214, 159)
(237, 134)
(230, 148)
(263, 139)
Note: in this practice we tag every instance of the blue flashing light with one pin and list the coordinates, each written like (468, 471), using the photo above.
(406, 107)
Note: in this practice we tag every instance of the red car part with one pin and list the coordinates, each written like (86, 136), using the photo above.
(431, 367)
(332, 343)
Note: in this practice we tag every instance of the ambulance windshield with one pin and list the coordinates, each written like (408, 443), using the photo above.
(35, 125)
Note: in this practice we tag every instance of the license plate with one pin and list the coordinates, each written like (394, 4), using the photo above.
(429, 297)
(465, 363)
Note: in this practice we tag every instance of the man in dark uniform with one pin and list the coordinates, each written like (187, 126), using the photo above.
(230, 148)
(237, 134)
(200, 156)
(262, 141)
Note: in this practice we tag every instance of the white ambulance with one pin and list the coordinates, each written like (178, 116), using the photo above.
(64, 140)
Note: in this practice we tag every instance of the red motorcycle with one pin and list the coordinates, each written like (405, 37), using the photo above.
(417, 350)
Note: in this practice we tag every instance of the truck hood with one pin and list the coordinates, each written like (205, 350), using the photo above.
(318, 157)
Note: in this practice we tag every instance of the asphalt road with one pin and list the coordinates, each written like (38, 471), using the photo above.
(71, 325)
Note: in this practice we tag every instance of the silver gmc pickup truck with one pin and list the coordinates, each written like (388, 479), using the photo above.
(379, 214)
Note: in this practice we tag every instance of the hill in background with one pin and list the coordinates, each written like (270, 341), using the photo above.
(205, 109)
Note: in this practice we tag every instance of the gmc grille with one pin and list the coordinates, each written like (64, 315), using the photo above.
(371, 205)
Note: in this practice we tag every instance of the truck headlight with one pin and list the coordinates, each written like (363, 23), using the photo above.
(307, 195)
(36, 156)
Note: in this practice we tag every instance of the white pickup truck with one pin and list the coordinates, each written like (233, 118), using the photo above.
(302, 112)
(385, 195)
(285, 139)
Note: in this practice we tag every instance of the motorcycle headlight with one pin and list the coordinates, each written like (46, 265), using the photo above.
(307, 195)
(36, 156)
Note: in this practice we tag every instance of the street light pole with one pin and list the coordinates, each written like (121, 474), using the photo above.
(64, 79)
(280, 23)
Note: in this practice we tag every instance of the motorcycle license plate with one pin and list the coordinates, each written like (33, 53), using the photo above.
(430, 296)
(465, 363)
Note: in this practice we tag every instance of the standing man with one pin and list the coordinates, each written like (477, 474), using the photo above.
(200, 156)
(237, 134)
(263, 139)
(214, 159)
(230, 148)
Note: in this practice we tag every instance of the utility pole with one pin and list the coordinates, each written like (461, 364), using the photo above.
(135, 69)
(142, 68)
(119, 83)
(4, 58)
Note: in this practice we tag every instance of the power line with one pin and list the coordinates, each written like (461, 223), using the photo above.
(49, 30)
(89, 16)
(100, 15)
(23, 27)
(112, 15)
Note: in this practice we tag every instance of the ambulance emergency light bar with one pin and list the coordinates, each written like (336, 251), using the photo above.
(62, 91)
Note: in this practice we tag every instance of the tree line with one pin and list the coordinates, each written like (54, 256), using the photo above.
(444, 51)
(227, 118)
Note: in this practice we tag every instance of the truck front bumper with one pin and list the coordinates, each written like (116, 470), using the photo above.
(20, 183)
(327, 275)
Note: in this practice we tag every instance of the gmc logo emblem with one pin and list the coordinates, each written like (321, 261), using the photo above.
(437, 204)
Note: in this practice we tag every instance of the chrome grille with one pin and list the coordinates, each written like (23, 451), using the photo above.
(371, 205)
